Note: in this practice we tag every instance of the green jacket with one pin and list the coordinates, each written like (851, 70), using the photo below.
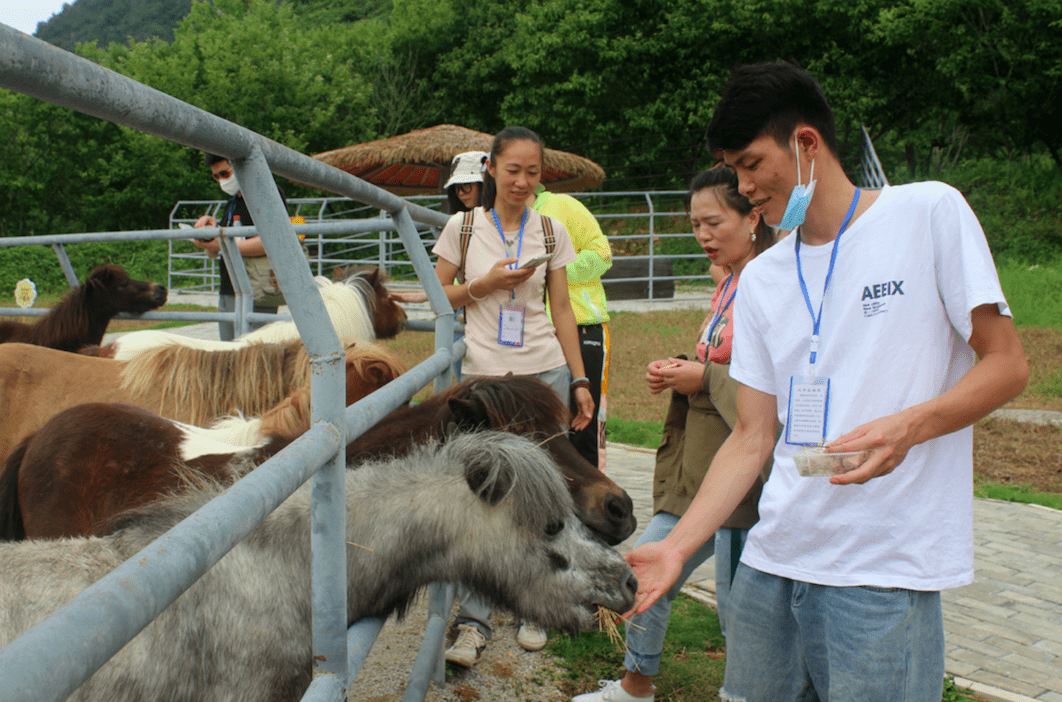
(594, 256)
(694, 429)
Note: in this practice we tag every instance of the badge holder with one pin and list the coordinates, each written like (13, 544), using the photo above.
(511, 324)
(809, 409)
(511, 316)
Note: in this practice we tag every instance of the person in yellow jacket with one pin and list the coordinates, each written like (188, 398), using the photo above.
(594, 257)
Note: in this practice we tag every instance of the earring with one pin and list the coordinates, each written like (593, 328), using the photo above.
(753, 233)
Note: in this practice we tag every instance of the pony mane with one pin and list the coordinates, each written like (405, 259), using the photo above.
(518, 403)
(509, 467)
(69, 318)
(208, 384)
(351, 304)
(290, 419)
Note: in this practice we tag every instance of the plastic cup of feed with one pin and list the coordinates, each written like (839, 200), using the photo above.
(816, 462)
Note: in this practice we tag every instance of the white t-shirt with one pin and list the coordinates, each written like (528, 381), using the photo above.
(541, 351)
(894, 328)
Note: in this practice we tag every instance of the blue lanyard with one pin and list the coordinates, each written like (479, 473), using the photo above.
(719, 313)
(816, 321)
(519, 246)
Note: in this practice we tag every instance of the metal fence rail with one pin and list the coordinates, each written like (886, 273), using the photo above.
(871, 174)
(643, 228)
(49, 661)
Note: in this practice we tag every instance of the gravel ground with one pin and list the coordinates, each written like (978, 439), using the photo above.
(506, 671)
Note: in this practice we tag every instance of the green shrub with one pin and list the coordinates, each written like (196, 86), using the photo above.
(1019, 204)
(143, 260)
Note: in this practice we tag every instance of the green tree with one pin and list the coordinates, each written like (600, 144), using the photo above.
(108, 21)
(989, 71)
(254, 65)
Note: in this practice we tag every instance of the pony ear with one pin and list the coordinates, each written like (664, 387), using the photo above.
(491, 483)
(468, 414)
(378, 373)
(103, 277)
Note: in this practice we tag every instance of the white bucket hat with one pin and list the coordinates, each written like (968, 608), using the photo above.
(467, 168)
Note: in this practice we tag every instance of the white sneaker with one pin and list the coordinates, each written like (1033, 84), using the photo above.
(611, 691)
(468, 648)
(530, 637)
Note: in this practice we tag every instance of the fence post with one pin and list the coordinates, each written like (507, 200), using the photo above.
(327, 395)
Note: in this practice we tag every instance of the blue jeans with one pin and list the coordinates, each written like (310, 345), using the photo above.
(645, 632)
(728, 546)
(791, 640)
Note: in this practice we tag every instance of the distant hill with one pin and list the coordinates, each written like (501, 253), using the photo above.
(109, 21)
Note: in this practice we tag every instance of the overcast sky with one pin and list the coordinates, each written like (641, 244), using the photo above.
(24, 15)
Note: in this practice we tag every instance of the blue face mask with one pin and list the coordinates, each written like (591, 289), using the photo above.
(797, 207)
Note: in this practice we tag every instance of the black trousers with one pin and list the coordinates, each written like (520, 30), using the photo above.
(594, 347)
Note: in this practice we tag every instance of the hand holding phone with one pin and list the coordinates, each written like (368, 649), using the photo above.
(535, 262)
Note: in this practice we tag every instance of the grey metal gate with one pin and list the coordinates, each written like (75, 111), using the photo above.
(49, 661)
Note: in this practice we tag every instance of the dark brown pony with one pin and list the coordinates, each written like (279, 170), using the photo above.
(92, 461)
(82, 316)
(517, 404)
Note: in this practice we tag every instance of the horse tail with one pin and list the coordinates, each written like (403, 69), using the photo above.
(11, 526)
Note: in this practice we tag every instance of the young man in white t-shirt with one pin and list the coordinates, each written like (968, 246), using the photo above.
(880, 327)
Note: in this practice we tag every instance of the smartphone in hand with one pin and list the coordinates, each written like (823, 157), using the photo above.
(535, 262)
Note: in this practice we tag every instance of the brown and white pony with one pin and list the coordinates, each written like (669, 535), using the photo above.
(358, 306)
(94, 460)
(187, 385)
(82, 316)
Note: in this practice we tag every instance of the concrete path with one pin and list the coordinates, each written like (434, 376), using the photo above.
(1003, 631)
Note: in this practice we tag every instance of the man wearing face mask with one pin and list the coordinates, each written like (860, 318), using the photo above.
(879, 329)
(235, 211)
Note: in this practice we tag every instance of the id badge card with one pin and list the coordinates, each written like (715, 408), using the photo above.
(511, 325)
(809, 405)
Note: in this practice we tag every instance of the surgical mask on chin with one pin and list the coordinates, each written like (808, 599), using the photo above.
(230, 185)
(797, 207)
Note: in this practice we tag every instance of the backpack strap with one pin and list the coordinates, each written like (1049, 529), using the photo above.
(466, 238)
(549, 238)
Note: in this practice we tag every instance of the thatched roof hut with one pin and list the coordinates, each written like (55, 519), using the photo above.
(417, 162)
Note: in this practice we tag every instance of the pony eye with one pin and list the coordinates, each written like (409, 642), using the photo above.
(554, 528)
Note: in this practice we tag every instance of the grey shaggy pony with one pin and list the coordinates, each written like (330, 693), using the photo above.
(488, 510)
